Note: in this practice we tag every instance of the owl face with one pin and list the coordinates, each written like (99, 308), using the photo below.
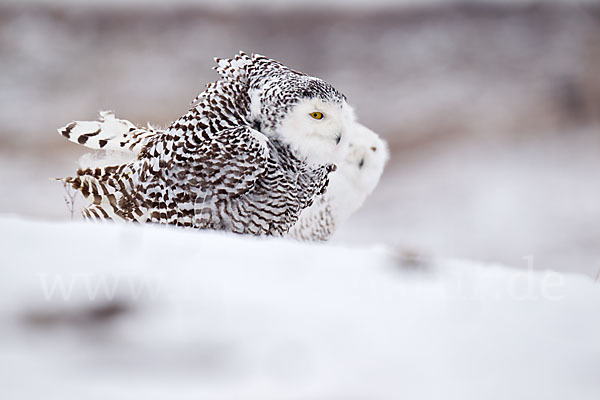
(305, 112)
(366, 157)
(318, 129)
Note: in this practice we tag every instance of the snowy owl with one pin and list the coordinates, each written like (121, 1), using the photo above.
(356, 177)
(255, 149)
(305, 112)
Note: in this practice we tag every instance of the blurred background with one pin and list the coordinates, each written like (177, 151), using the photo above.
(491, 108)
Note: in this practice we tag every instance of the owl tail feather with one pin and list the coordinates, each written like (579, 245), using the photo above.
(108, 133)
(110, 192)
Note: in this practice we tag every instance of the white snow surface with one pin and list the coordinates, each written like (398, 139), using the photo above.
(232, 317)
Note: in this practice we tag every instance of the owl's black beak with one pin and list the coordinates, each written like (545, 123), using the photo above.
(338, 138)
(361, 163)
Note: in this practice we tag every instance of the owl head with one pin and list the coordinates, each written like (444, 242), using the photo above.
(363, 164)
(306, 113)
(358, 173)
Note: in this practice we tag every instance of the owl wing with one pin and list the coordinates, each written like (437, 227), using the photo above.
(315, 223)
(108, 133)
(233, 68)
(228, 164)
(163, 189)
(177, 181)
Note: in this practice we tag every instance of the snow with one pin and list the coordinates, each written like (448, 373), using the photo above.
(230, 317)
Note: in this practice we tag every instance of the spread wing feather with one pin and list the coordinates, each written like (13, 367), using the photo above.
(108, 133)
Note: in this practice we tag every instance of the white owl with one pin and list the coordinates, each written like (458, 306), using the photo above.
(356, 178)
(255, 149)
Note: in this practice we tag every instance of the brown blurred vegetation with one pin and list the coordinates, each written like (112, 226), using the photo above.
(414, 74)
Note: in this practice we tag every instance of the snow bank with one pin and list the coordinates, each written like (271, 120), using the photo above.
(149, 312)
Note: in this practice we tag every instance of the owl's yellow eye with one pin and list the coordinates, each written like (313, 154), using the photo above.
(316, 115)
